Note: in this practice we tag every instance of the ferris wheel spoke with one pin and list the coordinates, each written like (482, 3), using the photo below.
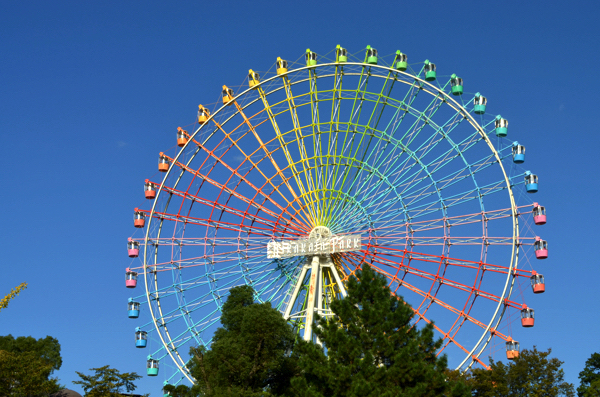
(284, 146)
(395, 258)
(399, 229)
(235, 171)
(260, 227)
(289, 223)
(197, 328)
(363, 150)
(449, 155)
(332, 134)
(397, 144)
(396, 283)
(419, 203)
(278, 169)
(355, 111)
(300, 137)
(320, 165)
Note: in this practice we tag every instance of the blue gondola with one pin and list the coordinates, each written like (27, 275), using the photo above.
(141, 338)
(531, 182)
(518, 152)
(133, 308)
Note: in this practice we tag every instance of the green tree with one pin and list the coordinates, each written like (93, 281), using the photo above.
(250, 353)
(26, 374)
(590, 378)
(372, 349)
(179, 391)
(13, 292)
(530, 374)
(26, 364)
(47, 349)
(107, 382)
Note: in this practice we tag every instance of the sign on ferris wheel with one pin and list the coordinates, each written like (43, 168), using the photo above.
(314, 246)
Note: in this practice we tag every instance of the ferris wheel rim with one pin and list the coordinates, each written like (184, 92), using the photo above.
(514, 255)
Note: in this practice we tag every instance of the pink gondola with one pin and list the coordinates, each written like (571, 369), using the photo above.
(541, 248)
(539, 214)
(130, 278)
(133, 248)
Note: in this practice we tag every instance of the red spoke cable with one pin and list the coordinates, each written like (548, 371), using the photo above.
(422, 316)
(231, 210)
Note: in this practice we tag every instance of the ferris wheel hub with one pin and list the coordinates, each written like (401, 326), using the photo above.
(320, 232)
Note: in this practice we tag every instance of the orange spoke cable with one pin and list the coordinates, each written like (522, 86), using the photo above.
(277, 168)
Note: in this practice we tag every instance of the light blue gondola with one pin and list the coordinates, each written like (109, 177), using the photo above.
(501, 126)
(133, 308)
(141, 338)
(518, 153)
(531, 182)
(152, 366)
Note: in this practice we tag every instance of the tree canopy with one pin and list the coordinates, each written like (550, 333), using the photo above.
(249, 355)
(107, 382)
(47, 349)
(26, 374)
(371, 349)
(530, 374)
(26, 364)
(590, 378)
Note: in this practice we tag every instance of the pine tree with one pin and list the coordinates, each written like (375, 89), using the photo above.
(371, 349)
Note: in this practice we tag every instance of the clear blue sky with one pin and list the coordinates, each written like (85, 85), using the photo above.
(91, 92)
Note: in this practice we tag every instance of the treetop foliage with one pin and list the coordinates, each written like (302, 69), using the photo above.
(530, 374)
(47, 349)
(26, 374)
(590, 378)
(249, 355)
(107, 382)
(371, 348)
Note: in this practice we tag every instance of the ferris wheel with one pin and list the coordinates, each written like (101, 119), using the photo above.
(298, 177)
